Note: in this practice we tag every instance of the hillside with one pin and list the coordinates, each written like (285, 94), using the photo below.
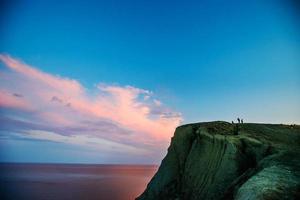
(220, 160)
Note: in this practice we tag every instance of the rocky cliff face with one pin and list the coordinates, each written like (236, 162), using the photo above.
(214, 161)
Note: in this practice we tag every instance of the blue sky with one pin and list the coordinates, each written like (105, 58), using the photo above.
(206, 60)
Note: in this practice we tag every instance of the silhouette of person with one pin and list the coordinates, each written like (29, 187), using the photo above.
(242, 121)
(239, 121)
(232, 122)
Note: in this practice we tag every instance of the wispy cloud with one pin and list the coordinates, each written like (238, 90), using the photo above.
(63, 108)
(95, 143)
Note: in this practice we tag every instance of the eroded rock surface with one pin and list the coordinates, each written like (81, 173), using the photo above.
(211, 161)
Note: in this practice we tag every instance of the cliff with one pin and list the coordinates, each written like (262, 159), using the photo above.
(218, 160)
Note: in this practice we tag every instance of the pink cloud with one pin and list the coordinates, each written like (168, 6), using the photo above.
(10, 100)
(65, 85)
(65, 102)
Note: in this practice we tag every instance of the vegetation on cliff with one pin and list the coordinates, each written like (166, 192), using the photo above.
(211, 161)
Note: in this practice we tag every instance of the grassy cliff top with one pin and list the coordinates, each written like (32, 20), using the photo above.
(282, 135)
(220, 160)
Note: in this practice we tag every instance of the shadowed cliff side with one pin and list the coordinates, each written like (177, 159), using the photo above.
(212, 161)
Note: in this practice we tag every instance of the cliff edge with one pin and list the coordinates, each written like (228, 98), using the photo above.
(218, 160)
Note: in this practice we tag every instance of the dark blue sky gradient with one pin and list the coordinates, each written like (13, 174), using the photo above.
(194, 52)
(209, 60)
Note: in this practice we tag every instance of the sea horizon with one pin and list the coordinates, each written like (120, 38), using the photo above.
(73, 181)
(79, 163)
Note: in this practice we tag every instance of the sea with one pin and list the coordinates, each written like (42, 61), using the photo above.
(73, 181)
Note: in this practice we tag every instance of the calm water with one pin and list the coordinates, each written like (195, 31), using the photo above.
(73, 182)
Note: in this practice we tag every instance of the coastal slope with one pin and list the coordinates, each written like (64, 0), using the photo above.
(220, 160)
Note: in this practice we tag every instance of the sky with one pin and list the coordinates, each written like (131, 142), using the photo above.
(109, 81)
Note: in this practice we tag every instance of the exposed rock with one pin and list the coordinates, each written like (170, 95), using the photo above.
(211, 161)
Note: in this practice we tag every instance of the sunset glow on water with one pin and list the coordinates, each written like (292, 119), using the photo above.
(72, 181)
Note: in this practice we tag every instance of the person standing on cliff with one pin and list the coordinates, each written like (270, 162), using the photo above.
(238, 119)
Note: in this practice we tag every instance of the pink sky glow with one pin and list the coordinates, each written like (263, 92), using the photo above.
(124, 115)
